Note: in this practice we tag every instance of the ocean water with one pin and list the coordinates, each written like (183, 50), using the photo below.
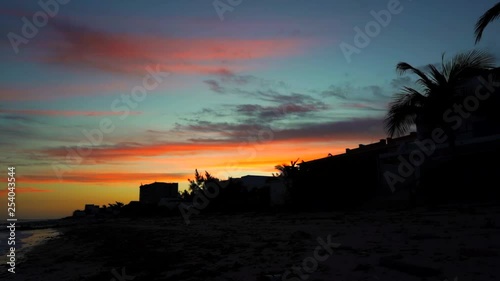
(25, 241)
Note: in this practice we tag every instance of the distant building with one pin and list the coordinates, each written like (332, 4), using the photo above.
(170, 203)
(390, 162)
(91, 209)
(79, 214)
(276, 188)
(134, 203)
(405, 168)
(352, 177)
(153, 193)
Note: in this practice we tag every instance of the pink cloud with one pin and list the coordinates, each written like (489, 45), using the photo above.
(67, 113)
(43, 92)
(30, 92)
(124, 53)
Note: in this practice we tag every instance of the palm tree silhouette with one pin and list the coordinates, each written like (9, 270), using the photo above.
(440, 89)
(492, 14)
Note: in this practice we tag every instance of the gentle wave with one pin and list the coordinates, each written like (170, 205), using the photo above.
(25, 241)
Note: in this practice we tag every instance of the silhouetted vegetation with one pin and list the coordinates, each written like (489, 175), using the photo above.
(295, 194)
(201, 182)
(492, 14)
(228, 195)
(440, 90)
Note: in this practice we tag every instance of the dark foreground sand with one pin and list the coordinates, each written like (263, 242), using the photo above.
(453, 243)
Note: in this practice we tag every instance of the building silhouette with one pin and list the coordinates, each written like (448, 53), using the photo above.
(153, 193)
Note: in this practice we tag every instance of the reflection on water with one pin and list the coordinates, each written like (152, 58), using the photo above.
(25, 241)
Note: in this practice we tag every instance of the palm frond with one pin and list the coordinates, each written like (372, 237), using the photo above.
(443, 65)
(437, 76)
(402, 111)
(423, 80)
(490, 15)
(440, 90)
(468, 64)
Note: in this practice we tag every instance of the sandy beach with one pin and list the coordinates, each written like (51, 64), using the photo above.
(449, 243)
(26, 240)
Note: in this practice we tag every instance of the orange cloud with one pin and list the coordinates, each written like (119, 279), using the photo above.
(111, 177)
(134, 151)
(227, 161)
(25, 190)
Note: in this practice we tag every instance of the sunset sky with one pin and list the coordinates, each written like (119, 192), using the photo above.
(265, 84)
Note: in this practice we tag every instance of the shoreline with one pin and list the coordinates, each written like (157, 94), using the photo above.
(27, 241)
(436, 244)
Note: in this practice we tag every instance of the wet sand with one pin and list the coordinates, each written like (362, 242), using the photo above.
(454, 243)
(26, 240)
